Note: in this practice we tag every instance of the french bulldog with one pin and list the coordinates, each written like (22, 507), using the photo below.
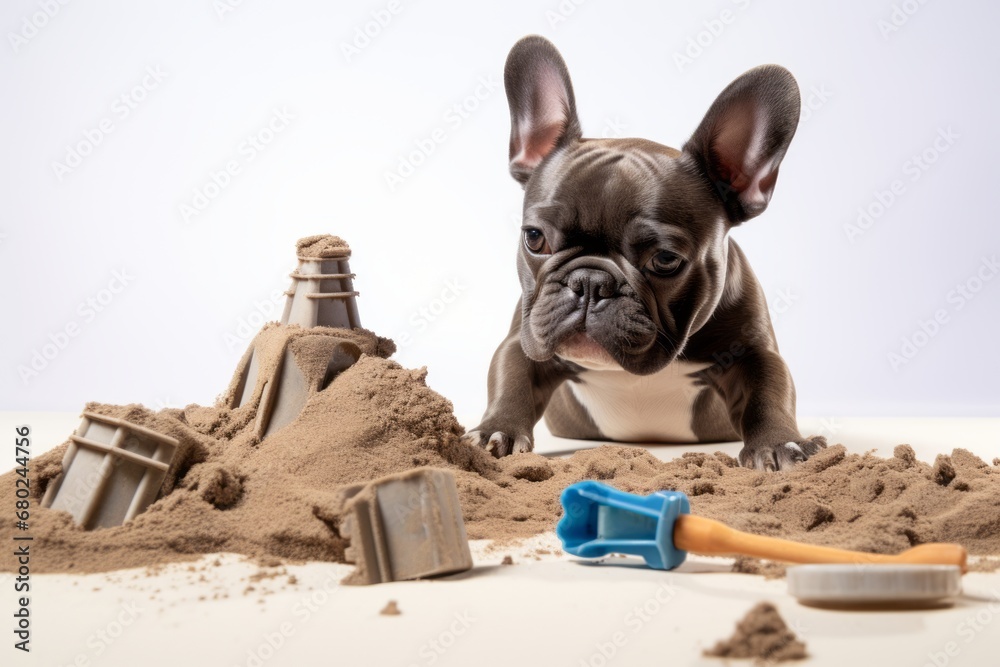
(640, 319)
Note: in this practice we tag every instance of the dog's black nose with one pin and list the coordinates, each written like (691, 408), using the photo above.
(592, 285)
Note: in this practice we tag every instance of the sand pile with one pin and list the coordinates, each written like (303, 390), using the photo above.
(763, 636)
(278, 497)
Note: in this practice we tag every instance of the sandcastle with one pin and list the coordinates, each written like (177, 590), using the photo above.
(321, 295)
(114, 469)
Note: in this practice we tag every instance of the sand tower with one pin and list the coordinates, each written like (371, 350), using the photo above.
(113, 469)
(321, 298)
(322, 292)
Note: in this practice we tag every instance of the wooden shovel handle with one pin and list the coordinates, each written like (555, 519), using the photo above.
(708, 537)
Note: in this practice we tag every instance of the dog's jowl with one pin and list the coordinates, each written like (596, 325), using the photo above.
(640, 319)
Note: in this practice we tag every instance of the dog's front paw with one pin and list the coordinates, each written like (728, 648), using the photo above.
(499, 442)
(782, 455)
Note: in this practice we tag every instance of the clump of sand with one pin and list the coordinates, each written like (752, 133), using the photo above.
(391, 608)
(277, 498)
(322, 245)
(762, 636)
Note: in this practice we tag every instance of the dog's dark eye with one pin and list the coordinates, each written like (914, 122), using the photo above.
(665, 263)
(534, 241)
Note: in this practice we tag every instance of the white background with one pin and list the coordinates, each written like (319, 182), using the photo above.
(841, 307)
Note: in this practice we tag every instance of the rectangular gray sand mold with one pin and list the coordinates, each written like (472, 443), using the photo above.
(406, 526)
(112, 471)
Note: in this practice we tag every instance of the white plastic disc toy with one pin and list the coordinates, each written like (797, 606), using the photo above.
(874, 584)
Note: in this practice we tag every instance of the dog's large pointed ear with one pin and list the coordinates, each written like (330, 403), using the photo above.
(743, 137)
(542, 108)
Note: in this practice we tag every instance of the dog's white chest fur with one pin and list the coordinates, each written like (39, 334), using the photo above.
(633, 408)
